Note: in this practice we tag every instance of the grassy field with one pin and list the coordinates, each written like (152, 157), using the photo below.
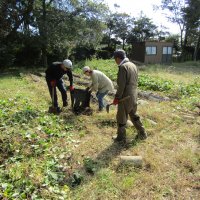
(46, 156)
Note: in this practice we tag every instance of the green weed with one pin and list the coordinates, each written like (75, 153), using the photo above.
(41, 154)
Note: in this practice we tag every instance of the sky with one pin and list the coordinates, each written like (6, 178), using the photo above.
(134, 8)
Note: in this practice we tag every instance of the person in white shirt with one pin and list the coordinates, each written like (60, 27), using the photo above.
(100, 83)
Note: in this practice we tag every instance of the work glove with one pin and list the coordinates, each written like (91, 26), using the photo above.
(115, 101)
(53, 83)
(71, 88)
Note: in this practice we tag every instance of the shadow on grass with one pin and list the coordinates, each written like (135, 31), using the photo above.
(92, 166)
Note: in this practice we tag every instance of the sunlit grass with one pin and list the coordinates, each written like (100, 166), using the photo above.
(40, 152)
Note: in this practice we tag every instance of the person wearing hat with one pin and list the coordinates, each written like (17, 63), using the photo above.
(100, 83)
(127, 82)
(54, 74)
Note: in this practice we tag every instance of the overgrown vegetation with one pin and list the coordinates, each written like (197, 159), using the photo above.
(158, 82)
(45, 156)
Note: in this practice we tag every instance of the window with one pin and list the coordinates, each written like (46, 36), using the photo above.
(151, 50)
(167, 50)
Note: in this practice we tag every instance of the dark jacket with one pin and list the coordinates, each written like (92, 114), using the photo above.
(55, 72)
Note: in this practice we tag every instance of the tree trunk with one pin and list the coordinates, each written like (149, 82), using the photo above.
(123, 44)
(196, 48)
(184, 44)
(44, 34)
(109, 41)
(44, 56)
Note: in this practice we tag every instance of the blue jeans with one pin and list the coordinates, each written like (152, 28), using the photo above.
(100, 97)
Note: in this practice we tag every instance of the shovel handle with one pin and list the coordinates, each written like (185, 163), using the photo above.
(124, 99)
(53, 92)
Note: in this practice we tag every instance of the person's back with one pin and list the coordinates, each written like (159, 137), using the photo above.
(54, 71)
(132, 75)
(54, 74)
(104, 83)
(127, 80)
(100, 83)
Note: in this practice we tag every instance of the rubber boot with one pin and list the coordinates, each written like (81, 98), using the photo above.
(121, 134)
(58, 110)
(142, 135)
(65, 103)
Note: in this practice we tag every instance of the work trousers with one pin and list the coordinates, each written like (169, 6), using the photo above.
(61, 87)
(122, 117)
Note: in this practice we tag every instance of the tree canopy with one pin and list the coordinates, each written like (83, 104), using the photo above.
(186, 14)
(34, 32)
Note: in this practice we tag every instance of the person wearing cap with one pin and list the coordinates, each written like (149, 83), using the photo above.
(100, 83)
(127, 82)
(54, 74)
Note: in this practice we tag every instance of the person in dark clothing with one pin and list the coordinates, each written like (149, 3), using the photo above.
(54, 74)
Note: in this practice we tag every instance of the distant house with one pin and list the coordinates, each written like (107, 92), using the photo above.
(152, 52)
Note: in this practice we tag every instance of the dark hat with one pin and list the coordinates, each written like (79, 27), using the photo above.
(120, 53)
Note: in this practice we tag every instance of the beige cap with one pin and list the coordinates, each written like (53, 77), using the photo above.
(86, 69)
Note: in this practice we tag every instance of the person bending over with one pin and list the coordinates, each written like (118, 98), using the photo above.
(54, 74)
(100, 83)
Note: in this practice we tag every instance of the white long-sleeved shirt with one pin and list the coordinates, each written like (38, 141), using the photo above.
(100, 82)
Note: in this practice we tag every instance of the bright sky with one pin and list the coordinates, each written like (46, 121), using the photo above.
(134, 8)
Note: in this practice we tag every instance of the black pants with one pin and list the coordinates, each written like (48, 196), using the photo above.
(61, 87)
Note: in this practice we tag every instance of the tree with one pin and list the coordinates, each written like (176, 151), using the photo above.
(192, 18)
(124, 23)
(111, 24)
(70, 23)
(161, 32)
(176, 8)
(14, 19)
(56, 24)
(175, 40)
(143, 30)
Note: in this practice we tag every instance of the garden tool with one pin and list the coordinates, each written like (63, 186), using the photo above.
(53, 109)
(72, 98)
(121, 100)
(71, 95)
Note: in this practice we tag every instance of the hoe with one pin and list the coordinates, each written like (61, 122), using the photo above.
(121, 100)
(53, 109)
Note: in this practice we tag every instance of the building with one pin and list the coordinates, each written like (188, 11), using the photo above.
(152, 52)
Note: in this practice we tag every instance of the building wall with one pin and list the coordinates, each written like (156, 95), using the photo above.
(139, 52)
(150, 59)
